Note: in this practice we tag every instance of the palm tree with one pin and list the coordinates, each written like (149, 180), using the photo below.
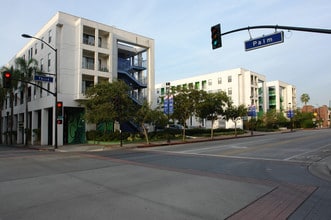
(26, 70)
(305, 98)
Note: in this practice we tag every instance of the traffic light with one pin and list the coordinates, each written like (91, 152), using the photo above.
(6, 77)
(216, 39)
(59, 113)
(59, 110)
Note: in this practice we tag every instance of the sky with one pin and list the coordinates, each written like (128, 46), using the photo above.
(181, 30)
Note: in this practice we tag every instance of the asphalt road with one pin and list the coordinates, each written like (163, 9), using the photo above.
(300, 146)
(262, 177)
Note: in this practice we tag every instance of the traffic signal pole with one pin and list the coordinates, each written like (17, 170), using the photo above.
(293, 28)
(217, 35)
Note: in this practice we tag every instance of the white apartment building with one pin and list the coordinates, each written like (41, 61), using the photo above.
(281, 96)
(243, 86)
(88, 52)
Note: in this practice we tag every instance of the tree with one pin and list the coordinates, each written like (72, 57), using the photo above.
(211, 106)
(304, 98)
(146, 115)
(185, 102)
(274, 119)
(108, 102)
(303, 119)
(234, 113)
(26, 69)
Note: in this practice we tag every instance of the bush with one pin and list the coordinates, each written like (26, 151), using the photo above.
(307, 124)
(95, 135)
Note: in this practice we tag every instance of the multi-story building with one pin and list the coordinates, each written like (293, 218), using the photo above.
(281, 96)
(321, 115)
(244, 87)
(88, 52)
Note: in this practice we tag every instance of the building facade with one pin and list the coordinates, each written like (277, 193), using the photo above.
(244, 87)
(281, 96)
(88, 52)
(321, 115)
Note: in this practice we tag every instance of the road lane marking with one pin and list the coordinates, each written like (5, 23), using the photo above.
(197, 150)
(307, 152)
(221, 156)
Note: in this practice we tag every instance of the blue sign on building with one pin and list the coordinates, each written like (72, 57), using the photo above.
(168, 105)
(264, 41)
(251, 111)
(290, 114)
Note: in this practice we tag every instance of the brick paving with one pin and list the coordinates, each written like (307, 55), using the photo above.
(279, 203)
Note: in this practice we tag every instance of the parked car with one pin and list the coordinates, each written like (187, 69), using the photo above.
(176, 126)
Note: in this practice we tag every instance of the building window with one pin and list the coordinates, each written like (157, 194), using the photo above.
(40, 89)
(35, 48)
(49, 36)
(86, 84)
(30, 53)
(210, 82)
(42, 43)
(204, 85)
(229, 79)
(229, 91)
(99, 42)
(21, 97)
(49, 62)
(219, 80)
(48, 88)
(41, 64)
(190, 85)
(88, 39)
(88, 63)
(197, 85)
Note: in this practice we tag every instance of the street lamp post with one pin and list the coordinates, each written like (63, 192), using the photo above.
(55, 83)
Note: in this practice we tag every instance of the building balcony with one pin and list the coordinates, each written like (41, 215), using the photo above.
(126, 65)
(131, 80)
(103, 69)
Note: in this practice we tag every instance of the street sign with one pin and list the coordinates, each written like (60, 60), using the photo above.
(264, 41)
(251, 111)
(168, 105)
(43, 78)
(290, 114)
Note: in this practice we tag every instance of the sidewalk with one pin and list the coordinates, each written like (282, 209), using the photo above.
(142, 144)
